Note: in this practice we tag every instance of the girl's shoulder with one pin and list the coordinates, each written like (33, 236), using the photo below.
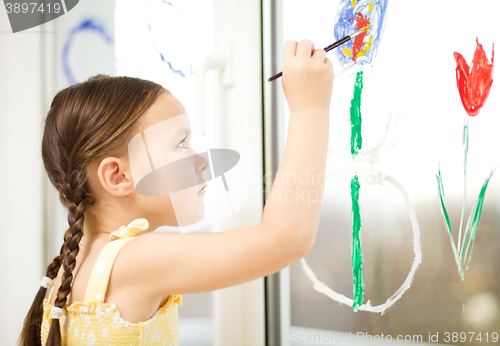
(164, 263)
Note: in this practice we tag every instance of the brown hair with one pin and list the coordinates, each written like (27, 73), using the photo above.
(86, 122)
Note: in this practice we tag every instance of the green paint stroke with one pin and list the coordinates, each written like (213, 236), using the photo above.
(471, 228)
(356, 256)
(447, 221)
(356, 139)
(465, 143)
(356, 143)
(467, 243)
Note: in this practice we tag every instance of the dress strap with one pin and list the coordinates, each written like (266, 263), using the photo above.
(52, 291)
(99, 278)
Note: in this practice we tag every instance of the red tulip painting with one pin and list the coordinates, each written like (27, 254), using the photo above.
(474, 83)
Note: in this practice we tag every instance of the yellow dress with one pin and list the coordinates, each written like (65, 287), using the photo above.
(94, 323)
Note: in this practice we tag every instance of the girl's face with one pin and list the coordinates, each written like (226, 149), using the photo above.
(166, 171)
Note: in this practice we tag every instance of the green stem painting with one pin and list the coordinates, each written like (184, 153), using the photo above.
(356, 144)
(463, 250)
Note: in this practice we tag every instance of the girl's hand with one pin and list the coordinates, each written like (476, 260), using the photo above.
(307, 77)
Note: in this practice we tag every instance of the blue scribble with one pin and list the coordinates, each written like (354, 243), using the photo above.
(174, 70)
(172, 5)
(91, 24)
(345, 24)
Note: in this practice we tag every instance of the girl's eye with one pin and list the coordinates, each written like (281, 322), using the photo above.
(182, 142)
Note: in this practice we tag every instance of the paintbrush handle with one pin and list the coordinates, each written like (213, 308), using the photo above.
(329, 48)
(276, 76)
(338, 43)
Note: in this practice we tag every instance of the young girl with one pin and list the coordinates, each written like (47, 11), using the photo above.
(105, 293)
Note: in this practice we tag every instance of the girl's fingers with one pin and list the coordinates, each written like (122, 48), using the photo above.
(305, 48)
(290, 48)
(319, 54)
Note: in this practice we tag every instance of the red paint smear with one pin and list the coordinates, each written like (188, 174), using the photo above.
(358, 40)
(474, 83)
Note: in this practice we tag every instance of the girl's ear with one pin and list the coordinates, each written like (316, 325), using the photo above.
(115, 177)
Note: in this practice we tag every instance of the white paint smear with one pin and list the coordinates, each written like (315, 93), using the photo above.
(321, 287)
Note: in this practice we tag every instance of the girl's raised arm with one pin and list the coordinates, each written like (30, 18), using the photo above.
(190, 263)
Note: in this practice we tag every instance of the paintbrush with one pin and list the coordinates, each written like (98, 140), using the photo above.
(332, 46)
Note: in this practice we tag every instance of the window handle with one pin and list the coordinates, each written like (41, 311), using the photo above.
(217, 62)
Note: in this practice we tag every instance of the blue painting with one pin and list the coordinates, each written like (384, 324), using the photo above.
(353, 15)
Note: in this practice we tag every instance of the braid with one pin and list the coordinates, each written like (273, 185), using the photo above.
(31, 329)
(53, 268)
(76, 200)
(72, 240)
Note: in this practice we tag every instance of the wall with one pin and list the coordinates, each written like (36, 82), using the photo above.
(21, 175)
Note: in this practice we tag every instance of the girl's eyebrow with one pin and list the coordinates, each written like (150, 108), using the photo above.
(182, 130)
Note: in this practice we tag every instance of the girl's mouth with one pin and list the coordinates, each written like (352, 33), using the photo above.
(203, 188)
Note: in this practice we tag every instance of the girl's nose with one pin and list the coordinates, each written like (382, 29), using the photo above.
(201, 163)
